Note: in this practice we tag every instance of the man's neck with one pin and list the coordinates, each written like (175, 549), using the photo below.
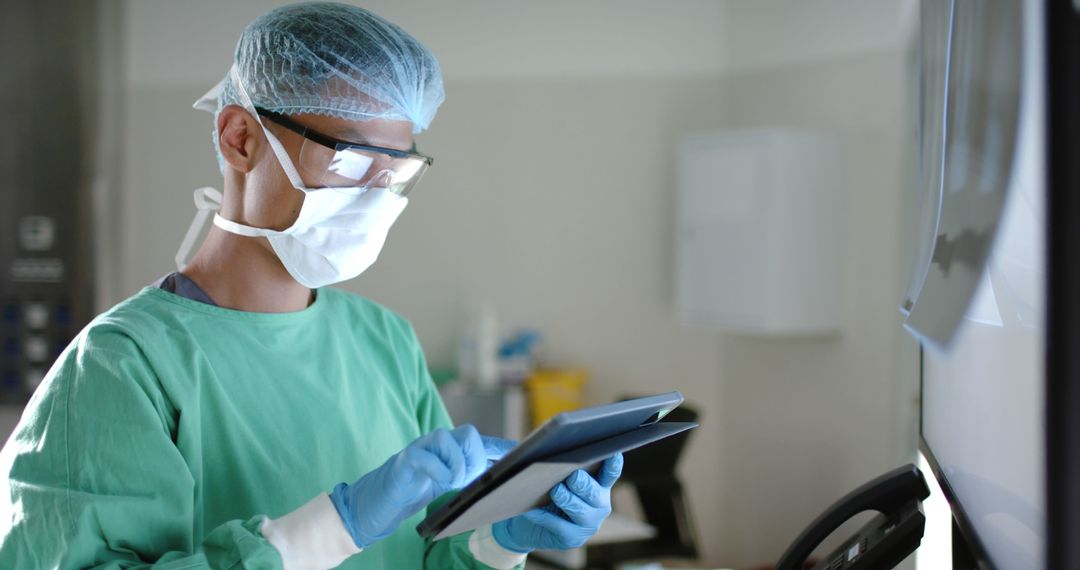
(244, 274)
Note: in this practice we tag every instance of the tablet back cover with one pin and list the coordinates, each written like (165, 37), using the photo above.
(562, 433)
(529, 488)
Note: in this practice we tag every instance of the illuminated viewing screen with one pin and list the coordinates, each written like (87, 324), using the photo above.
(983, 393)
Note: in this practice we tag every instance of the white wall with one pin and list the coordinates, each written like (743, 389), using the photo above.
(775, 33)
(184, 43)
(552, 195)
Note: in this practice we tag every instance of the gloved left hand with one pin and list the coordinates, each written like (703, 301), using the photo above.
(578, 505)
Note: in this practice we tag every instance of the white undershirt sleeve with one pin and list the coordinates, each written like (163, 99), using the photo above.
(311, 537)
(486, 549)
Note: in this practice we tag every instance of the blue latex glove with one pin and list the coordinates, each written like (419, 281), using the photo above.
(578, 505)
(497, 447)
(441, 461)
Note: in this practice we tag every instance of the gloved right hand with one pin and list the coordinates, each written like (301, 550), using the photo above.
(441, 461)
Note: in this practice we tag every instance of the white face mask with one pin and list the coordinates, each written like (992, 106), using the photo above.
(337, 235)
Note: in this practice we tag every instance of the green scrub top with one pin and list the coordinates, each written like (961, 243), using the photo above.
(169, 429)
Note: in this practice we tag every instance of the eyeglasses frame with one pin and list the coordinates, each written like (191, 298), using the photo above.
(336, 144)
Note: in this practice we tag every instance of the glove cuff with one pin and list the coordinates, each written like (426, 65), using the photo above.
(488, 551)
(501, 533)
(338, 497)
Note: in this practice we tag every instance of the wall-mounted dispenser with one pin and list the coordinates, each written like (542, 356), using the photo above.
(762, 231)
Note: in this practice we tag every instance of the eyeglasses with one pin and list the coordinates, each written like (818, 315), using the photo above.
(334, 163)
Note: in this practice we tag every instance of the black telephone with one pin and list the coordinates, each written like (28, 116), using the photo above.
(883, 542)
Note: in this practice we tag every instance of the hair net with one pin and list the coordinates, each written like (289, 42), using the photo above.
(334, 59)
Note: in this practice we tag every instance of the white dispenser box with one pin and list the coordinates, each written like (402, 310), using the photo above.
(762, 230)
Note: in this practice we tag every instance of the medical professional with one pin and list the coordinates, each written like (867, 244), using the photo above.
(241, 414)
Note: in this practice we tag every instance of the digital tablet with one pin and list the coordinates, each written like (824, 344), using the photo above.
(530, 488)
(562, 433)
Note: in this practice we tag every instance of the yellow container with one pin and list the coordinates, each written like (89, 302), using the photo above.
(555, 391)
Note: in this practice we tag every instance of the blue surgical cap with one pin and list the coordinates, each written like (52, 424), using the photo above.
(337, 60)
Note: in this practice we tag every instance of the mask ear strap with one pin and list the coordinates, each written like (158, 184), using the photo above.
(209, 101)
(279, 150)
(242, 230)
(208, 201)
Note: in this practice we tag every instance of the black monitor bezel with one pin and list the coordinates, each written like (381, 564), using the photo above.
(1063, 281)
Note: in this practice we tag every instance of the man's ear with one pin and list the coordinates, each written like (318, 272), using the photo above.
(239, 137)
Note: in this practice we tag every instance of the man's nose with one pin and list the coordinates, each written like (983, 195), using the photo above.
(381, 179)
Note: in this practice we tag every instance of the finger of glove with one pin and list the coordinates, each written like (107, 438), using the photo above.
(472, 450)
(428, 465)
(584, 486)
(551, 508)
(443, 445)
(611, 471)
(497, 447)
(576, 509)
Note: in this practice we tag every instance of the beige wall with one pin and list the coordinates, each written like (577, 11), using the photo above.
(806, 420)
(552, 196)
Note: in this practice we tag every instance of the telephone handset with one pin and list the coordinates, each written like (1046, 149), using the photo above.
(883, 542)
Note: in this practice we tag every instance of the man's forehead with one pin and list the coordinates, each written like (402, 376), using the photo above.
(377, 132)
(349, 130)
(374, 132)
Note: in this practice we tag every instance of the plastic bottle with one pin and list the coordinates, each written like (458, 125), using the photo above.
(478, 347)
